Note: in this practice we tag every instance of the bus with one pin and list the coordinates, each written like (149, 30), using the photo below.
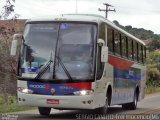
(79, 61)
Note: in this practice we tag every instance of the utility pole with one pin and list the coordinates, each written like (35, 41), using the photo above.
(107, 9)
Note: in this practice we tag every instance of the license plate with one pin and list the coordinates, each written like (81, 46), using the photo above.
(52, 101)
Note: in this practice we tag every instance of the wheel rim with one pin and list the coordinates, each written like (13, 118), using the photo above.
(135, 101)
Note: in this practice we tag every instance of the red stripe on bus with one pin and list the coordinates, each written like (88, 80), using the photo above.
(119, 62)
(81, 85)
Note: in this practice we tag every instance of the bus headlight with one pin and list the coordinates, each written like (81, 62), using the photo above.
(25, 90)
(83, 92)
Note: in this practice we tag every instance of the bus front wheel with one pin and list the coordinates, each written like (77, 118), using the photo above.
(104, 109)
(44, 110)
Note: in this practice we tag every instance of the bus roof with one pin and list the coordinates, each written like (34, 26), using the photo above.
(85, 18)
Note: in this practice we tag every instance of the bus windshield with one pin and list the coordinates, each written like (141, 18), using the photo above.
(72, 43)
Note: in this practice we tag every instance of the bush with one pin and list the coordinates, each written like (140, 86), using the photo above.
(11, 99)
(1, 100)
(152, 73)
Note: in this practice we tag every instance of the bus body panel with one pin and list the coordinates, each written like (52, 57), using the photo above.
(64, 101)
(127, 75)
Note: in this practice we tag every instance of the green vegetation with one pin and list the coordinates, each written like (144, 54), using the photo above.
(13, 108)
(152, 87)
(153, 72)
(12, 105)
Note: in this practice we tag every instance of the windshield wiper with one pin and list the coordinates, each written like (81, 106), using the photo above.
(44, 68)
(64, 68)
(55, 56)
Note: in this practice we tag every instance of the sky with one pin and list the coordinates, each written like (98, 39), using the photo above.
(137, 13)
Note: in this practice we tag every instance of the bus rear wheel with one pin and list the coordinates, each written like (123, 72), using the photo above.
(132, 105)
(44, 111)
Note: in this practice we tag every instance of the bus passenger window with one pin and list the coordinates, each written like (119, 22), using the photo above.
(144, 54)
(123, 39)
(110, 38)
(135, 51)
(126, 47)
(130, 48)
(102, 31)
(138, 52)
(120, 38)
(117, 42)
(141, 54)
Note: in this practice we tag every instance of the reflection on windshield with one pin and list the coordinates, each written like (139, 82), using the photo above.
(76, 42)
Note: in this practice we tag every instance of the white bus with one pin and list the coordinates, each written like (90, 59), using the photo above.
(77, 61)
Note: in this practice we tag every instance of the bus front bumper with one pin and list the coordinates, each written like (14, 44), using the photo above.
(58, 102)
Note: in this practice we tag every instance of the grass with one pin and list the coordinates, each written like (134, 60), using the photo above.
(152, 89)
(12, 105)
(13, 108)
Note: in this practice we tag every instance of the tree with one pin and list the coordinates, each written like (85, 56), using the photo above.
(153, 67)
(7, 63)
(8, 10)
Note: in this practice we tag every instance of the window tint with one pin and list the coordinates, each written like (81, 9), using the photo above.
(144, 53)
(135, 50)
(141, 54)
(110, 39)
(117, 42)
(130, 48)
(138, 52)
(126, 47)
(102, 31)
(120, 38)
(124, 51)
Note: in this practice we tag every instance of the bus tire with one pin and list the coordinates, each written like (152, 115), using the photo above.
(44, 111)
(104, 109)
(132, 105)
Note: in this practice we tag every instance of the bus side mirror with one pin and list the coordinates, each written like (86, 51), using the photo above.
(101, 42)
(104, 50)
(104, 54)
(14, 44)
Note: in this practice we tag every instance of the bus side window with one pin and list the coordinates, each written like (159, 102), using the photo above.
(144, 54)
(126, 47)
(135, 50)
(109, 39)
(141, 54)
(102, 31)
(124, 50)
(120, 38)
(132, 50)
(129, 48)
(117, 42)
